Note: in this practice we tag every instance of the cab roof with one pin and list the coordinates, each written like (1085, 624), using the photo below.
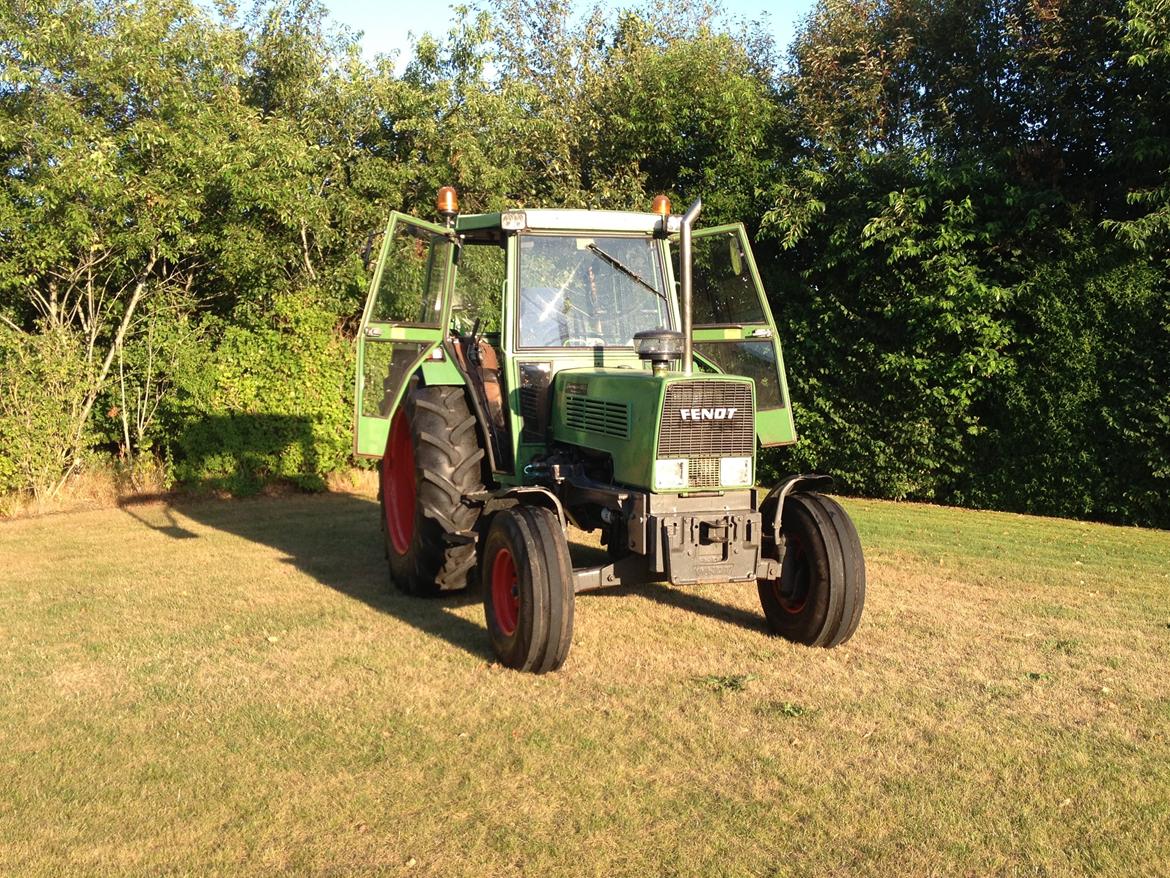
(490, 225)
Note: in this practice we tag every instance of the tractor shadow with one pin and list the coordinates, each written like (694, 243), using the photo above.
(678, 597)
(334, 538)
(337, 540)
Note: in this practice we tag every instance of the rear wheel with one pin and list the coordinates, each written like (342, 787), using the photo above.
(527, 581)
(818, 598)
(432, 461)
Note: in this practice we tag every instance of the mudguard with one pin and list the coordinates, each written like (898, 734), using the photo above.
(772, 506)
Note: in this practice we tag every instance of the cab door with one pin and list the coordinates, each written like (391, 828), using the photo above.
(404, 319)
(733, 328)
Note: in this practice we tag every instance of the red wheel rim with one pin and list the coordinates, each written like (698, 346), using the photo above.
(398, 488)
(794, 597)
(505, 592)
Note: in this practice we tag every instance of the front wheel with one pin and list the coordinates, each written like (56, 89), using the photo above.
(527, 581)
(817, 599)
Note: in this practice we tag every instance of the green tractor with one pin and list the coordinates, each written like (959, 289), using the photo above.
(524, 370)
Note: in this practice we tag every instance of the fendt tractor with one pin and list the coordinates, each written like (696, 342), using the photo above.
(522, 371)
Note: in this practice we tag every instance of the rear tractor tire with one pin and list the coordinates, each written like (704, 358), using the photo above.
(432, 460)
(527, 581)
(819, 595)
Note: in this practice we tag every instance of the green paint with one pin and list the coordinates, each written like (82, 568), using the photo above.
(441, 373)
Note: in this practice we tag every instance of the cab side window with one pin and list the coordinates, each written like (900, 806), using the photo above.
(413, 275)
(479, 288)
(724, 290)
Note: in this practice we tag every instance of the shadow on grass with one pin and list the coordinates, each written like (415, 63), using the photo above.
(172, 528)
(337, 540)
(679, 597)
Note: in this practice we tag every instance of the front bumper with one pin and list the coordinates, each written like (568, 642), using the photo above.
(695, 539)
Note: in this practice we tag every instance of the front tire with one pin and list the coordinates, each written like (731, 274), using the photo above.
(432, 461)
(527, 581)
(818, 598)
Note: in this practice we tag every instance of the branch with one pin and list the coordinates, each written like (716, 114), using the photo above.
(305, 251)
(92, 395)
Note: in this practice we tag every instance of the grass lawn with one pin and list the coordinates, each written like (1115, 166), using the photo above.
(231, 688)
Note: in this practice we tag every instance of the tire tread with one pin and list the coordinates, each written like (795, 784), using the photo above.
(839, 546)
(446, 455)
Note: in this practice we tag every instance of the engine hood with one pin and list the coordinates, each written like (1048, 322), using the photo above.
(621, 412)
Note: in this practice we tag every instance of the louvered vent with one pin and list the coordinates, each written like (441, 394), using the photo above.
(733, 436)
(530, 411)
(534, 400)
(597, 415)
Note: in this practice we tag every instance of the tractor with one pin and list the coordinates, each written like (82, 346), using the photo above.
(521, 371)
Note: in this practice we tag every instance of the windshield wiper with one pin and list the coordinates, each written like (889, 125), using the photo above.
(626, 270)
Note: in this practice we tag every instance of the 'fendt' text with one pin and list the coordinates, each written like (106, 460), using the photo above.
(719, 414)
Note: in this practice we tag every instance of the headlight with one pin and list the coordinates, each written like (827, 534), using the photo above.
(670, 473)
(735, 471)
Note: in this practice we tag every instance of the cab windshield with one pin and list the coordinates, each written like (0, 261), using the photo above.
(589, 290)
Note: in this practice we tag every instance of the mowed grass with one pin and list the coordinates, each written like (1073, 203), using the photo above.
(231, 688)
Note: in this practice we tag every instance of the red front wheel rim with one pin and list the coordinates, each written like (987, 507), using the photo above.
(398, 489)
(505, 592)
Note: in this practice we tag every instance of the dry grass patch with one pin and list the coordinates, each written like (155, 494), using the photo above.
(230, 688)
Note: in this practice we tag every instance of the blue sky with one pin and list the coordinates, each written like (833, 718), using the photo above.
(387, 25)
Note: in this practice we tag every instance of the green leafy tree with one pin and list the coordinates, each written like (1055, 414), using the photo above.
(117, 122)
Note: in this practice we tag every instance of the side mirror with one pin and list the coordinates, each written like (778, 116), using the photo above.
(736, 256)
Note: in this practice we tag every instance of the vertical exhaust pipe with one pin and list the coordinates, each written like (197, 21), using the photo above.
(684, 262)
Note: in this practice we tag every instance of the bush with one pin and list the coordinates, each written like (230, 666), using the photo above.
(264, 402)
(41, 398)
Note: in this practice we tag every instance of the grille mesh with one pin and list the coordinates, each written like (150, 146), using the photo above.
(597, 415)
(735, 437)
(703, 472)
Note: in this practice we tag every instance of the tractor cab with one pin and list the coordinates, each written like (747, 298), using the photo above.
(614, 370)
(510, 300)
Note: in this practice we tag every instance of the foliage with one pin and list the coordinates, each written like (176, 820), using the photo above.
(269, 401)
(888, 381)
(961, 211)
(969, 326)
(40, 397)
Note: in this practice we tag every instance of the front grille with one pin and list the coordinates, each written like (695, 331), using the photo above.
(597, 415)
(730, 437)
(703, 472)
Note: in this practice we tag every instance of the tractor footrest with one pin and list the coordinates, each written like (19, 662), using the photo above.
(631, 569)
